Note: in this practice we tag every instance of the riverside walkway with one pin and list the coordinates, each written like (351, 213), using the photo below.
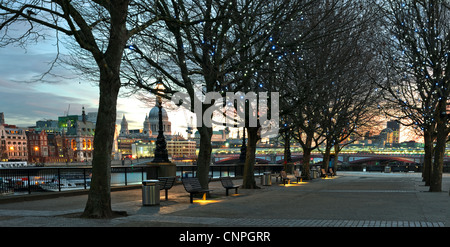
(351, 199)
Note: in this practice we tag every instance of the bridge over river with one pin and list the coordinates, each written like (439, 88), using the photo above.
(361, 160)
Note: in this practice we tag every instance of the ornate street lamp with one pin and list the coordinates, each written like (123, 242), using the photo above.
(161, 155)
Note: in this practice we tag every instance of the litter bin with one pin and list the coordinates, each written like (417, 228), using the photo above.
(387, 169)
(266, 179)
(150, 192)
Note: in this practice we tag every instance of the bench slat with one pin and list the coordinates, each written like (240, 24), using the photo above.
(193, 186)
(227, 183)
(166, 183)
(284, 177)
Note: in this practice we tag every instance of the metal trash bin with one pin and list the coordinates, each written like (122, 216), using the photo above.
(266, 179)
(387, 169)
(150, 192)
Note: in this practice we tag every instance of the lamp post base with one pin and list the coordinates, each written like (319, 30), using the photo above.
(164, 169)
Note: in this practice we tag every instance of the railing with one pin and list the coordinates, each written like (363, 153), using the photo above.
(27, 180)
(16, 181)
(39, 179)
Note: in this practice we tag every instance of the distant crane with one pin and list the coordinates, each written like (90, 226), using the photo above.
(189, 126)
(67, 112)
(189, 129)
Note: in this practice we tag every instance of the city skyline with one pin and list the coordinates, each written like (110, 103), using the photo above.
(26, 99)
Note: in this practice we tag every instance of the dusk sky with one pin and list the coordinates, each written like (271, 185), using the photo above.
(24, 99)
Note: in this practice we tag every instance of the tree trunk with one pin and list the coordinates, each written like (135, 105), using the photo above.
(306, 175)
(249, 166)
(306, 158)
(427, 159)
(326, 157)
(336, 158)
(439, 151)
(99, 200)
(204, 156)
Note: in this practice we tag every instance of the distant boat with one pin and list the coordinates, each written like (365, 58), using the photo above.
(77, 178)
(64, 185)
(13, 164)
(69, 181)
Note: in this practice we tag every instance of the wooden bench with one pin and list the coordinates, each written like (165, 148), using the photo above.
(166, 183)
(227, 183)
(193, 186)
(284, 177)
(298, 176)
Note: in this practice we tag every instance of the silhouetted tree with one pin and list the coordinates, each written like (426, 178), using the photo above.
(416, 45)
(210, 46)
(325, 92)
(101, 29)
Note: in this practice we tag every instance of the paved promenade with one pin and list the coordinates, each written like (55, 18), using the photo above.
(351, 199)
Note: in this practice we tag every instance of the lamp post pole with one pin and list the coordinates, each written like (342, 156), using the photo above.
(161, 155)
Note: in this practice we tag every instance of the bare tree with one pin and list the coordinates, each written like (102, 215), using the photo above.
(416, 47)
(210, 46)
(349, 105)
(192, 38)
(319, 71)
(101, 29)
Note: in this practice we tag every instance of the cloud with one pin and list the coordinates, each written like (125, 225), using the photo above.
(22, 67)
(24, 100)
(24, 104)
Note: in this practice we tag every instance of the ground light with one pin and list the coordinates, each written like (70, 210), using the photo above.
(204, 201)
(289, 184)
